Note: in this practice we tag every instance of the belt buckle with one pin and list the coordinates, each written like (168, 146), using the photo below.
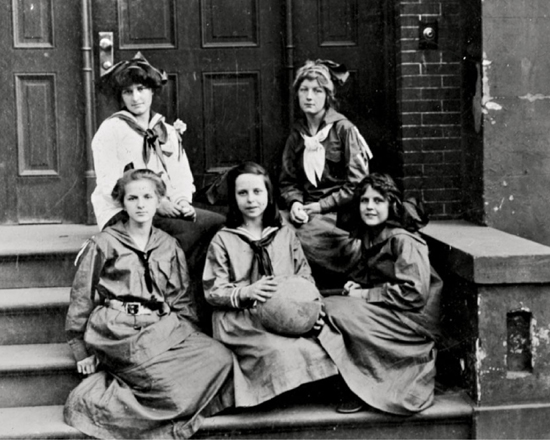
(132, 308)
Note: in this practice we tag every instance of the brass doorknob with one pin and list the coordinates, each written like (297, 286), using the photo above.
(105, 43)
(106, 58)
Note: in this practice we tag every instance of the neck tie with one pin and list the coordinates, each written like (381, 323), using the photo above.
(153, 136)
(314, 155)
(261, 265)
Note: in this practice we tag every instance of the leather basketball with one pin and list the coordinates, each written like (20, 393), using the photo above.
(293, 309)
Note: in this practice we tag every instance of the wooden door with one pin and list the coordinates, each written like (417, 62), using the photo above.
(42, 151)
(359, 34)
(224, 61)
(227, 64)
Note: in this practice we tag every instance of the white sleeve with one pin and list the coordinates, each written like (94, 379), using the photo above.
(108, 169)
(181, 186)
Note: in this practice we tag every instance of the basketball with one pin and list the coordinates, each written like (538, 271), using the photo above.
(293, 309)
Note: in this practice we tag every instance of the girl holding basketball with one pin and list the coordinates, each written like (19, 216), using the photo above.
(245, 263)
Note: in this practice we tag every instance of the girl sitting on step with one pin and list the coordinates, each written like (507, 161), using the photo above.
(244, 264)
(132, 327)
(387, 317)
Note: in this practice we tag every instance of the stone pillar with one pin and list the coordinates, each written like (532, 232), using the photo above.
(496, 325)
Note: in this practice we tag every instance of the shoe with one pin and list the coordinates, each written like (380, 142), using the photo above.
(350, 406)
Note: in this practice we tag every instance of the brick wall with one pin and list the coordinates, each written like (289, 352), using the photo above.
(429, 105)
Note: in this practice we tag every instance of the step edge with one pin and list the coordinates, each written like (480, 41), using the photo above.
(330, 417)
(31, 358)
(32, 298)
(53, 427)
(218, 423)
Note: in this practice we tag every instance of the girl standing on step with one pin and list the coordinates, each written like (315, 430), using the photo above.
(133, 330)
(242, 264)
(137, 137)
(387, 318)
(324, 159)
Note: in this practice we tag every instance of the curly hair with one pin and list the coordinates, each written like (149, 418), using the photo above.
(119, 191)
(386, 186)
(271, 216)
(135, 75)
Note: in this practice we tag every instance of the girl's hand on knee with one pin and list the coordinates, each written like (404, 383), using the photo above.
(312, 208)
(88, 365)
(168, 208)
(298, 214)
(261, 290)
(186, 210)
(349, 287)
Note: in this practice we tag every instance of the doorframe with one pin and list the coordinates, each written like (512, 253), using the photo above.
(89, 103)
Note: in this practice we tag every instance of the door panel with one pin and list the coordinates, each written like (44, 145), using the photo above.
(359, 34)
(42, 156)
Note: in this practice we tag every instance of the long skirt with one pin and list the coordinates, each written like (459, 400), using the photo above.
(381, 359)
(331, 251)
(166, 397)
(267, 364)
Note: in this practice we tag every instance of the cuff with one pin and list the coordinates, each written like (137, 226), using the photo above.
(374, 294)
(79, 349)
(327, 205)
(184, 199)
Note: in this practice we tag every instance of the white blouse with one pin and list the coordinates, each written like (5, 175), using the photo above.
(115, 145)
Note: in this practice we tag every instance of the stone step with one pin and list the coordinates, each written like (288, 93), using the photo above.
(40, 255)
(33, 316)
(36, 374)
(449, 417)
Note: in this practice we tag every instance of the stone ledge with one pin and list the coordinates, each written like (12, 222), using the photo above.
(484, 255)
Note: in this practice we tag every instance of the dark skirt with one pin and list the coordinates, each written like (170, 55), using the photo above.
(381, 359)
(165, 397)
(331, 251)
(194, 238)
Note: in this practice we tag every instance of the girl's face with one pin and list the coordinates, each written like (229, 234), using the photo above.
(312, 97)
(251, 196)
(141, 201)
(137, 99)
(374, 208)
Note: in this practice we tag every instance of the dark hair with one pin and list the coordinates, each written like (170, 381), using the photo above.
(119, 191)
(331, 101)
(135, 75)
(386, 186)
(271, 216)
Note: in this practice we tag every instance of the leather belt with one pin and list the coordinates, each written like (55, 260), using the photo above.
(131, 308)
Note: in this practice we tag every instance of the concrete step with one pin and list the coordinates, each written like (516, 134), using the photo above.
(449, 417)
(40, 255)
(36, 374)
(33, 316)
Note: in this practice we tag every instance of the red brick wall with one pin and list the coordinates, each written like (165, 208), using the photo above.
(429, 105)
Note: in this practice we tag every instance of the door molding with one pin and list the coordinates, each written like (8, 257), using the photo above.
(89, 105)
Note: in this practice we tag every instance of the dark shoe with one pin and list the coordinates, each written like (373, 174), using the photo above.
(350, 406)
